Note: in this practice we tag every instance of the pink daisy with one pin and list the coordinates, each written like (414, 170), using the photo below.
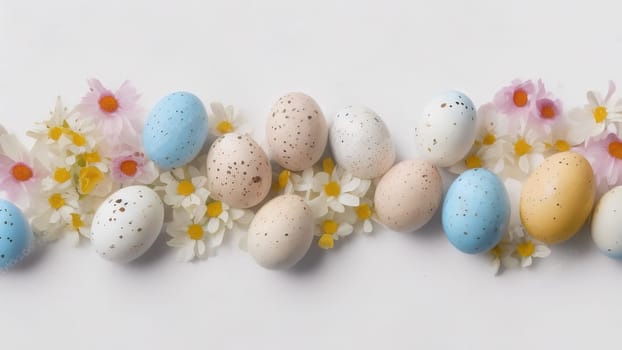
(134, 168)
(547, 110)
(19, 172)
(516, 99)
(117, 114)
(605, 156)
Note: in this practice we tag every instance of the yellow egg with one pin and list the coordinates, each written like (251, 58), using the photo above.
(557, 197)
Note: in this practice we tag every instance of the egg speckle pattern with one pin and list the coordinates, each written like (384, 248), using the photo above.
(446, 131)
(557, 197)
(15, 234)
(607, 223)
(296, 131)
(238, 171)
(175, 130)
(476, 211)
(127, 223)
(281, 233)
(408, 195)
(361, 142)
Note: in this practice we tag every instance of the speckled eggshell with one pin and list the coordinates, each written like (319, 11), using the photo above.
(361, 142)
(296, 131)
(238, 171)
(15, 234)
(127, 223)
(446, 131)
(476, 211)
(408, 195)
(607, 223)
(557, 197)
(175, 130)
(281, 232)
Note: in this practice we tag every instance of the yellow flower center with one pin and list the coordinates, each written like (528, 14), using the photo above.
(497, 251)
(326, 241)
(615, 149)
(489, 139)
(92, 157)
(283, 179)
(55, 133)
(328, 165)
(329, 227)
(185, 188)
(521, 147)
(332, 189)
(526, 249)
(77, 138)
(195, 232)
(473, 161)
(214, 209)
(600, 114)
(61, 175)
(225, 127)
(76, 221)
(363, 211)
(89, 177)
(56, 201)
(562, 145)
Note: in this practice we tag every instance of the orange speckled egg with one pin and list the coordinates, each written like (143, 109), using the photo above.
(557, 197)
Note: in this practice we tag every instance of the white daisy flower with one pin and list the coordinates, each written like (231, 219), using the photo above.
(78, 226)
(59, 178)
(288, 182)
(526, 249)
(190, 234)
(330, 230)
(361, 217)
(52, 211)
(184, 187)
(221, 217)
(224, 120)
(501, 256)
(528, 147)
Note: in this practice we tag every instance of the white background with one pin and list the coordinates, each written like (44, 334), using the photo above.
(385, 291)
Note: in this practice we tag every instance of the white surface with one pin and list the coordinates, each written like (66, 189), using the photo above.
(386, 291)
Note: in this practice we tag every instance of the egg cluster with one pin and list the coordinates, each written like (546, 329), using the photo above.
(529, 174)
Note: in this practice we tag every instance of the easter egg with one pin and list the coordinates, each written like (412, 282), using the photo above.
(446, 131)
(238, 171)
(476, 211)
(361, 142)
(607, 223)
(15, 234)
(127, 223)
(408, 195)
(175, 130)
(281, 232)
(557, 197)
(296, 132)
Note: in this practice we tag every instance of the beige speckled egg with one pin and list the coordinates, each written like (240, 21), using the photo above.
(408, 195)
(296, 131)
(281, 232)
(238, 171)
(557, 197)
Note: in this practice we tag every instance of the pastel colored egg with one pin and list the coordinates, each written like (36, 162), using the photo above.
(557, 197)
(238, 171)
(607, 223)
(446, 131)
(281, 232)
(127, 223)
(175, 130)
(296, 131)
(361, 142)
(15, 234)
(476, 211)
(408, 195)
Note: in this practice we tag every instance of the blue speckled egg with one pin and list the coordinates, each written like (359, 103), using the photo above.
(175, 130)
(15, 234)
(476, 211)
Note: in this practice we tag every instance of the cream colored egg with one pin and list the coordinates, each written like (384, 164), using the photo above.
(408, 195)
(238, 171)
(607, 223)
(296, 131)
(281, 232)
(557, 197)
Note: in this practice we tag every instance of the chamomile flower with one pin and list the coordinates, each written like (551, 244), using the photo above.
(222, 217)
(330, 230)
(59, 178)
(527, 152)
(288, 182)
(526, 248)
(49, 134)
(283, 182)
(360, 217)
(184, 187)
(191, 235)
(78, 226)
(501, 256)
(20, 172)
(224, 120)
(133, 168)
(52, 211)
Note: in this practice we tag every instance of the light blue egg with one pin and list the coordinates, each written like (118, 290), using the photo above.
(15, 234)
(175, 130)
(476, 211)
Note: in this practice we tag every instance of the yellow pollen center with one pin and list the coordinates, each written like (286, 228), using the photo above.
(329, 227)
(61, 175)
(615, 149)
(214, 209)
(77, 138)
(195, 232)
(76, 221)
(328, 165)
(497, 251)
(108, 104)
(185, 188)
(326, 241)
(55, 133)
(92, 157)
(521, 147)
(129, 167)
(600, 114)
(489, 139)
(21, 172)
(56, 201)
(332, 189)
(526, 249)
(225, 127)
(562, 145)
(363, 211)
(473, 161)
(283, 178)
(89, 178)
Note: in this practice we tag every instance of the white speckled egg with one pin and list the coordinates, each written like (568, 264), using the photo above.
(281, 232)
(408, 195)
(361, 142)
(296, 131)
(238, 171)
(127, 223)
(607, 223)
(446, 131)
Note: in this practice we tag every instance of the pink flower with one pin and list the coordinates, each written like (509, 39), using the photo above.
(547, 110)
(516, 99)
(19, 172)
(605, 156)
(117, 115)
(134, 168)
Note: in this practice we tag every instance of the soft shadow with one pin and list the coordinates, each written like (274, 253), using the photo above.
(157, 251)
(580, 244)
(311, 261)
(32, 259)
(431, 232)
